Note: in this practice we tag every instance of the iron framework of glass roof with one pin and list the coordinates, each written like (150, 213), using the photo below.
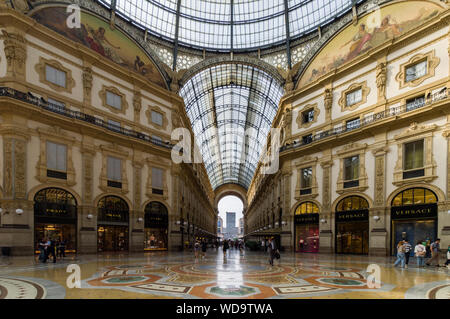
(231, 108)
(230, 25)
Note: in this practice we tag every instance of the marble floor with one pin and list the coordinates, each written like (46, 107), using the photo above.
(247, 275)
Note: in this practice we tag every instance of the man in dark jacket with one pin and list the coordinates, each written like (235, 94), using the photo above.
(272, 248)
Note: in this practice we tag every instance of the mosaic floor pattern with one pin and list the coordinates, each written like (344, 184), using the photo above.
(248, 276)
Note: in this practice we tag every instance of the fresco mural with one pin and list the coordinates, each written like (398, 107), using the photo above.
(371, 31)
(97, 35)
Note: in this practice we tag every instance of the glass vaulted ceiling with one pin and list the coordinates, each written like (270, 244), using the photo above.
(223, 103)
(230, 24)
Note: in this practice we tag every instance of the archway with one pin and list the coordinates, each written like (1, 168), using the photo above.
(230, 209)
(306, 220)
(156, 222)
(55, 217)
(414, 216)
(112, 224)
(352, 225)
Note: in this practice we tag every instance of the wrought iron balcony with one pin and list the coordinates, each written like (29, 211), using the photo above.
(41, 103)
(390, 113)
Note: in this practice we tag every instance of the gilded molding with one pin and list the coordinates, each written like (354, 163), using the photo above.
(16, 54)
(307, 107)
(113, 150)
(432, 63)
(343, 100)
(157, 109)
(124, 104)
(413, 133)
(352, 150)
(40, 69)
(57, 135)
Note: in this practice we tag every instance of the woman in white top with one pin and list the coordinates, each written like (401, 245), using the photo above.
(420, 252)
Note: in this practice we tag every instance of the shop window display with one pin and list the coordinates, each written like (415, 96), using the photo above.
(156, 226)
(307, 228)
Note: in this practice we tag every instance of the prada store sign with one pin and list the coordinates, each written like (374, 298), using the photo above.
(352, 216)
(307, 219)
(414, 211)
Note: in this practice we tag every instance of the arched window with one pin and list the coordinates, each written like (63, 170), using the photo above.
(414, 196)
(113, 209)
(156, 215)
(55, 202)
(352, 203)
(307, 208)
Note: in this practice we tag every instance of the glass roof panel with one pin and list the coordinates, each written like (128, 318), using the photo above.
(230, 24)
(231, 108)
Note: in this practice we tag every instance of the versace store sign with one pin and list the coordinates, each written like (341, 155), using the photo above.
(352, 216)
(307, 219)
(414, 211)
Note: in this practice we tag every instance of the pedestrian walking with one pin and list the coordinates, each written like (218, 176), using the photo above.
(435, 252)
(204, 247)
(225, 248)
(407, 247)
(420, 251)
(273, 250)
(196, 248)
(263, 245)
(400, 255)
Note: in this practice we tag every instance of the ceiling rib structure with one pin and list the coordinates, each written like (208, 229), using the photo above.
(231, 108)
(230, 25)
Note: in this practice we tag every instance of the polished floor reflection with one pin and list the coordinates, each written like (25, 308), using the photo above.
(240, 275)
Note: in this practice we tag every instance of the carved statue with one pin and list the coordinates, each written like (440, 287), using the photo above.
(328, 100)
(381, 80)
(137, 101)
(21, 5)
(175, 77)
(288, 75)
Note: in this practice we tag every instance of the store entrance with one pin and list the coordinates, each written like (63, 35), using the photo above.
(113, 224)
(414, 217)
(307, 228)
(55, 218)
(156, 225)
(352, 226)
(112, 238)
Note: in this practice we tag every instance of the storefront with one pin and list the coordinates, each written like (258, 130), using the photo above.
(156, 226)
(413, 217)
(55, 217)
(352, 226)
(306, 221)
(113, 224)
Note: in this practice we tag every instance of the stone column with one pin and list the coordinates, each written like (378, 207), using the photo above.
(444, 208)
(326, 239)
(174, 231)
(288, 229)
(379, 235)
(137, 215)
(16, 229)
(87, 212)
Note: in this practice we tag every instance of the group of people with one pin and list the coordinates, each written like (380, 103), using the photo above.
(200, 245)
(404, 250)
(228, 244)
(50, 247)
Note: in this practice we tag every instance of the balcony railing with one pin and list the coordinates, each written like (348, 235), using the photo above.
(391, 112)
(41, 103)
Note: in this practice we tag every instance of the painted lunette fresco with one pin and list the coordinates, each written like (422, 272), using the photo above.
(372, 30)
(97, 35)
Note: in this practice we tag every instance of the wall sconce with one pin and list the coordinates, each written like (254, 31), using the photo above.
(185, 223)
(377, 218)
(177, 222)
(89, 216)
(270, 226)
(265, 227)
(276, 223)
(284, 223)
(140, 219)
(323, 221)
(1, 210)
(19, 211)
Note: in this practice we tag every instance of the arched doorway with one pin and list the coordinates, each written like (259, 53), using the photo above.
(352, 226)
(55, 217)
(306, 222)
(414, 217)
(156, 222)
(112, 224)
